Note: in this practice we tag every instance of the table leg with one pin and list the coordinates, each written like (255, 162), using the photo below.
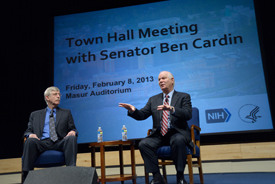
(133, 162)
(93, 156)
(102, 158)
(121, 162)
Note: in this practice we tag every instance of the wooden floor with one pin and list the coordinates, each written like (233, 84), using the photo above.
(220, 156)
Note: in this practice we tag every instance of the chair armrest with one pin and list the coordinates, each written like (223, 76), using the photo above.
(196, 127)
(149, 131)
(193, 129)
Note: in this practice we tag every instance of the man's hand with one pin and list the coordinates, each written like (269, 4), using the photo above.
(166, 107)
(33, 136)
(71, 133)
(129, 107)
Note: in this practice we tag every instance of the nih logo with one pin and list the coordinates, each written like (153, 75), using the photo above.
(217, 115)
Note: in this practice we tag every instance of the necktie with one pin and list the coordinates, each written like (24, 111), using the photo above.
(164, 123)
(52, 128)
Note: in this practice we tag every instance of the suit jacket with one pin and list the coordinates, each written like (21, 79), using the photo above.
(64, 122)
(183, 113)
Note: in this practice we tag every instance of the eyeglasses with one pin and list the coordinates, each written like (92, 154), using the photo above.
(55, 94)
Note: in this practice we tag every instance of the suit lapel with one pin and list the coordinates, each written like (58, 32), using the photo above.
(42, 120)
(58, 115)
(160, 102)
(174, 102)
(175, 98)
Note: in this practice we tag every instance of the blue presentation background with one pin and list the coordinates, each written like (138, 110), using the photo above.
(228, 76)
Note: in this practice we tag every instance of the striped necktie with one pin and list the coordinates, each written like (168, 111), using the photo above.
(52, 128)
(164, 123)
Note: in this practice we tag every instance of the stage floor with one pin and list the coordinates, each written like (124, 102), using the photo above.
(214, 172)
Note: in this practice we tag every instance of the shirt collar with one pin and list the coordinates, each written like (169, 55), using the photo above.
(169, 94)
(49, 110)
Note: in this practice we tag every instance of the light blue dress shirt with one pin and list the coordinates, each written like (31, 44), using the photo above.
(46, 129)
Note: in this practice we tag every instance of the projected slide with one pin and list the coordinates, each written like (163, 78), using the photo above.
(211, 47)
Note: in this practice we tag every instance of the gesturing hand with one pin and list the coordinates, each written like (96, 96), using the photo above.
(166, 107)
(129, 107)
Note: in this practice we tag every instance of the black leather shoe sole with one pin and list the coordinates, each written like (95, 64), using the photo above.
(157, 182)
(182, 182)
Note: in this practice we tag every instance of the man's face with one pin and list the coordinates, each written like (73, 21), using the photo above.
(54, 98)
(165, 83)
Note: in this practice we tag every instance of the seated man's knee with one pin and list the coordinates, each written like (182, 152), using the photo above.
(30, 141)
(71, 139)
(146, 144)
(142, 144)
(179, 141)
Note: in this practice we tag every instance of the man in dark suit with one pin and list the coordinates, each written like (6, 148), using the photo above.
(169, 110)
(38, 133)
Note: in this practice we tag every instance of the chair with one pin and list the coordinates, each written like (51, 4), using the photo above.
(50, 158)
(164, 152)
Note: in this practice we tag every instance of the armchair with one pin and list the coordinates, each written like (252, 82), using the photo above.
(164, 152)
(50, 158)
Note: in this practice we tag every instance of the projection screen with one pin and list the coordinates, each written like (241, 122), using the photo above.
(102, 58)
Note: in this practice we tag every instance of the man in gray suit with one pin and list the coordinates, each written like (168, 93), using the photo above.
(38, 133)
(178, 110)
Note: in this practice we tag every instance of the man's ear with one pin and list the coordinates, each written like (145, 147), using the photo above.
(47, 98)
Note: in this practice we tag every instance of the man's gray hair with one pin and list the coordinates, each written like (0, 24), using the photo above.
(48, 92)
(170, 76)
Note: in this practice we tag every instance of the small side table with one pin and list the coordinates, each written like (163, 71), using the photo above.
(121, 177)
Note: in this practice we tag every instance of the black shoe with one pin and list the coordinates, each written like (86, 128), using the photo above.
(157, 182)
(182, 182)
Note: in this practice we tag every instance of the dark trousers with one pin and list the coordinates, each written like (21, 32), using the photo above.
(149, 145)
(34, 147)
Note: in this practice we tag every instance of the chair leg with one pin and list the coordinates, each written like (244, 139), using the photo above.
(164, 173)
(21, 177)
(200, 170)
(190, 169)
(146, 176)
